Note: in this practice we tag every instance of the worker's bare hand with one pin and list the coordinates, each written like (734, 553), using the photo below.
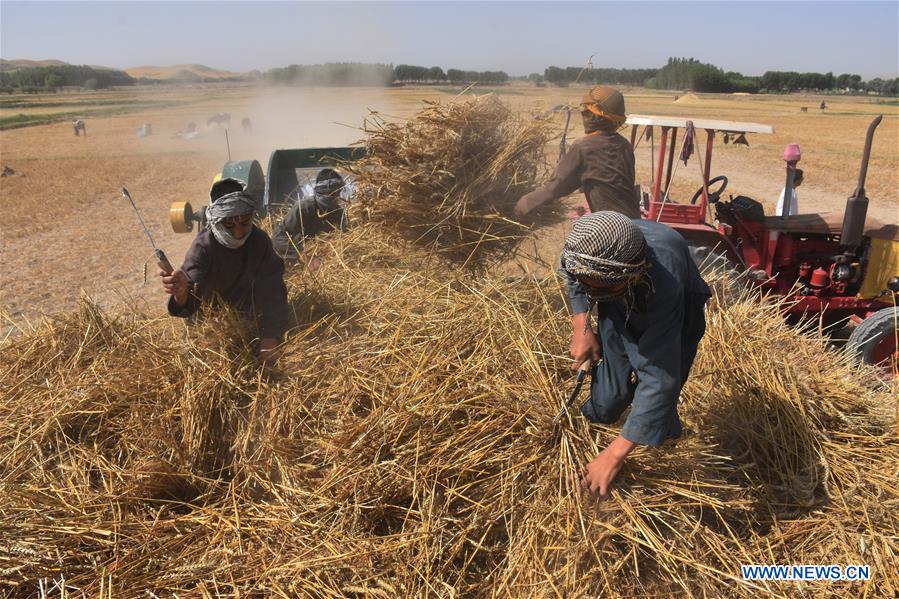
(584, 342)
(176, 285)
(602, 470)
(269, 350)
(520, 211)
(313, 263)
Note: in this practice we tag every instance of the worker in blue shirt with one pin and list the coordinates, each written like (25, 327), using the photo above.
(650, 308)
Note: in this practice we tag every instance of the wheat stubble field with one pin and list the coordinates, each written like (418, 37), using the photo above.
(66, 231)
(403, 446)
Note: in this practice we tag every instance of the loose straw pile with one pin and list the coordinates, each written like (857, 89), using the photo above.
(448, 178)
(403, 448)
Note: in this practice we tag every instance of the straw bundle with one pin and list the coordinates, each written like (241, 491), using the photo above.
(403, 448)
(448, 178)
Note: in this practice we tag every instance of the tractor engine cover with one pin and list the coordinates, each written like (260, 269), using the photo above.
(747, 208)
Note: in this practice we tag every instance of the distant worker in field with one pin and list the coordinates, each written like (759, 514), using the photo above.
(79, 127)
(320, 212)
(246, 125)
(232, 261)
(798, 176)
(823, 106)
(650, 309)
(601, 162)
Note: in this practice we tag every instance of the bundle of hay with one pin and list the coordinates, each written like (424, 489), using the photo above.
(448, 178)
(403, 447)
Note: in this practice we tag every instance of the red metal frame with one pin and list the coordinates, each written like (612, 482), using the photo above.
(750, 246)
(661, 163)
(671, 212)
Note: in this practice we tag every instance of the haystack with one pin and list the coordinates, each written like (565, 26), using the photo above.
(448, 178)
(404, 448)
(689, 98)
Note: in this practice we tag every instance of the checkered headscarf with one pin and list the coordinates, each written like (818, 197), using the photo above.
(608, 248)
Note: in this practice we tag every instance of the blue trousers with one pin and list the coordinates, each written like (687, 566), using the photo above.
(614, 380)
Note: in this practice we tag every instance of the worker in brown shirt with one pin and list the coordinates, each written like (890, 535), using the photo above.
(601, 162)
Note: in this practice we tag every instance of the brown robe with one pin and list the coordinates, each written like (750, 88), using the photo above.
(250, 279)
(602, 163)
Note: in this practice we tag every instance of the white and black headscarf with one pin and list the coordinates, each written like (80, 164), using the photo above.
(327, 190)
(237, 203)
(608, 248)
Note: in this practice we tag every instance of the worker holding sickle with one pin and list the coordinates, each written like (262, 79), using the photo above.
(232, 261)
(650, 300)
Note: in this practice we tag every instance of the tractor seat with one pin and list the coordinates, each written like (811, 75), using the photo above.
(669, 212)
(828, 223)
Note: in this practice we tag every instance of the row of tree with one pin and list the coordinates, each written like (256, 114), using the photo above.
(376, 74)
(331, 74)
(568, 75)
(53, 77)
(689, 73)
(678, 73)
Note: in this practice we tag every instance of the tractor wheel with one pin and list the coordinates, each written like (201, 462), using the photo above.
(876, 339)
(719, 272)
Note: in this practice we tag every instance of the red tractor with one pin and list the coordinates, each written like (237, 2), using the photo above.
(841, 268)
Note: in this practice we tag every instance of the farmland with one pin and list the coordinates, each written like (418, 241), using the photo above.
(404, 444)
(67, 232)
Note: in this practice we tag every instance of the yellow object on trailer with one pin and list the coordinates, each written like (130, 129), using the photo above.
(883, 264)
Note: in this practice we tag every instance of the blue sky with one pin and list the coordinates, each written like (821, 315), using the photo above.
(518, 37)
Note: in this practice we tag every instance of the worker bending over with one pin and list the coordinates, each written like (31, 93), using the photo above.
(601, 162)
(232, 261)
(320, 212)
(650, 300)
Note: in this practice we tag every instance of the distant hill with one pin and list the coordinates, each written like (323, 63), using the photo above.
(21, 63)
(180, 71)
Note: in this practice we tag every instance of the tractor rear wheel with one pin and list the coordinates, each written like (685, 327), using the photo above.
(876, 339)
(718, 271)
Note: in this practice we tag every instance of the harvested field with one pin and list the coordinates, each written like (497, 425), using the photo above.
(403, 444)
(79, 178)
(403, 447)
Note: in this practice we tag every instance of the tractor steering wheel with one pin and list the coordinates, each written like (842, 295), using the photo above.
(714, 196)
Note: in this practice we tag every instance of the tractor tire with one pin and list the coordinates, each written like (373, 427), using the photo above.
(876, 339)
(719, 272)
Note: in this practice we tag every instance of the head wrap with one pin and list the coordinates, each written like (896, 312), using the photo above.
(237, 203)
(603, 109)
(328, 185)
(224, 187)
(608, 248)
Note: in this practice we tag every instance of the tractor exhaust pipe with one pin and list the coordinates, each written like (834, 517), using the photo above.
(792, 156)
(857, 204)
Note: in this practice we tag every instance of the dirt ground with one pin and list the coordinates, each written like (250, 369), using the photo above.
(67, 231)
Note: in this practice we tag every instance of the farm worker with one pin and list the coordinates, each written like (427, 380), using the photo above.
(232, 261)
(79, 127)
(649, 299)
(319, 212)
(794, 203)
(601, 162)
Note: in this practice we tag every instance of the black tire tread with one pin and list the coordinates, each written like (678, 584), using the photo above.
(881, 322)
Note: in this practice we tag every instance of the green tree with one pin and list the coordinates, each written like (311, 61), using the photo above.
(53, 80)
